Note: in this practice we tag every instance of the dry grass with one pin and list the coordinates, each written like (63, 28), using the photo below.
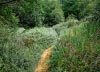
(71, 33)
(43, 65)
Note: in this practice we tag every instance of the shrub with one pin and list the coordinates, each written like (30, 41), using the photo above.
(21, 50)
(62, 27)
(5, 32)
(20, 30)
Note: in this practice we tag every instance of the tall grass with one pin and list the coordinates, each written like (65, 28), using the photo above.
(78, 50)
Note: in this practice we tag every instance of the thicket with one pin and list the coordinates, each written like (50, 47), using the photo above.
(28, 13)
(20, 50)
(38, 13)
(76, 35)
(77, 49)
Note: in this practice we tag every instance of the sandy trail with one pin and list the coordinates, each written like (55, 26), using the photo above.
(43, 65)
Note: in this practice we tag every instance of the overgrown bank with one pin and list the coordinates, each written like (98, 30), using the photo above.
(78, 50)
(29, 27)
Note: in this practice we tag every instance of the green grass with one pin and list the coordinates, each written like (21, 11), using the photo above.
(78, 50)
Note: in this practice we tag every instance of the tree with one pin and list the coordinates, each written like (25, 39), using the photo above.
(97, 11)
(53, 13)
(29, 13)
(74, 7)
(7, 16)
(92, 11)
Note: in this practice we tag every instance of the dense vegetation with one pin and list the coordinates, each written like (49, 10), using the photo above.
(28, 27)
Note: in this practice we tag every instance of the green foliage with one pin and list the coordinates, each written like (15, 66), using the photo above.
(20, 50)
(78, 8)
(71, 7)
(37, 40)
(53, 13)
(91, 11)
(29, 13)
(96, 12)
(77, 50)
(38, 13)
(76, 42)
(4, 38)
(7, 16)
(62, 27)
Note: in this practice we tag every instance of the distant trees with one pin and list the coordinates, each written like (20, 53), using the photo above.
(97, 11)
(31, 13)
(7, 16)
(92, 9)
(79, 8)
(53, 13)
(37, 13)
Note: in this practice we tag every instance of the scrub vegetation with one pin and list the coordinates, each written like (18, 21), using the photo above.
(49, 36)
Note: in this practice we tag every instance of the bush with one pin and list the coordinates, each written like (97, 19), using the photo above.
(21, 50)
(40, 36)
(62, 27)
(5, 32)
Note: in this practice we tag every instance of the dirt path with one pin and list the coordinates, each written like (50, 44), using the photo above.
(43, 65)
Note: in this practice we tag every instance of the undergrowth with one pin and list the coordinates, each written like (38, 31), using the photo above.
(78, 50)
